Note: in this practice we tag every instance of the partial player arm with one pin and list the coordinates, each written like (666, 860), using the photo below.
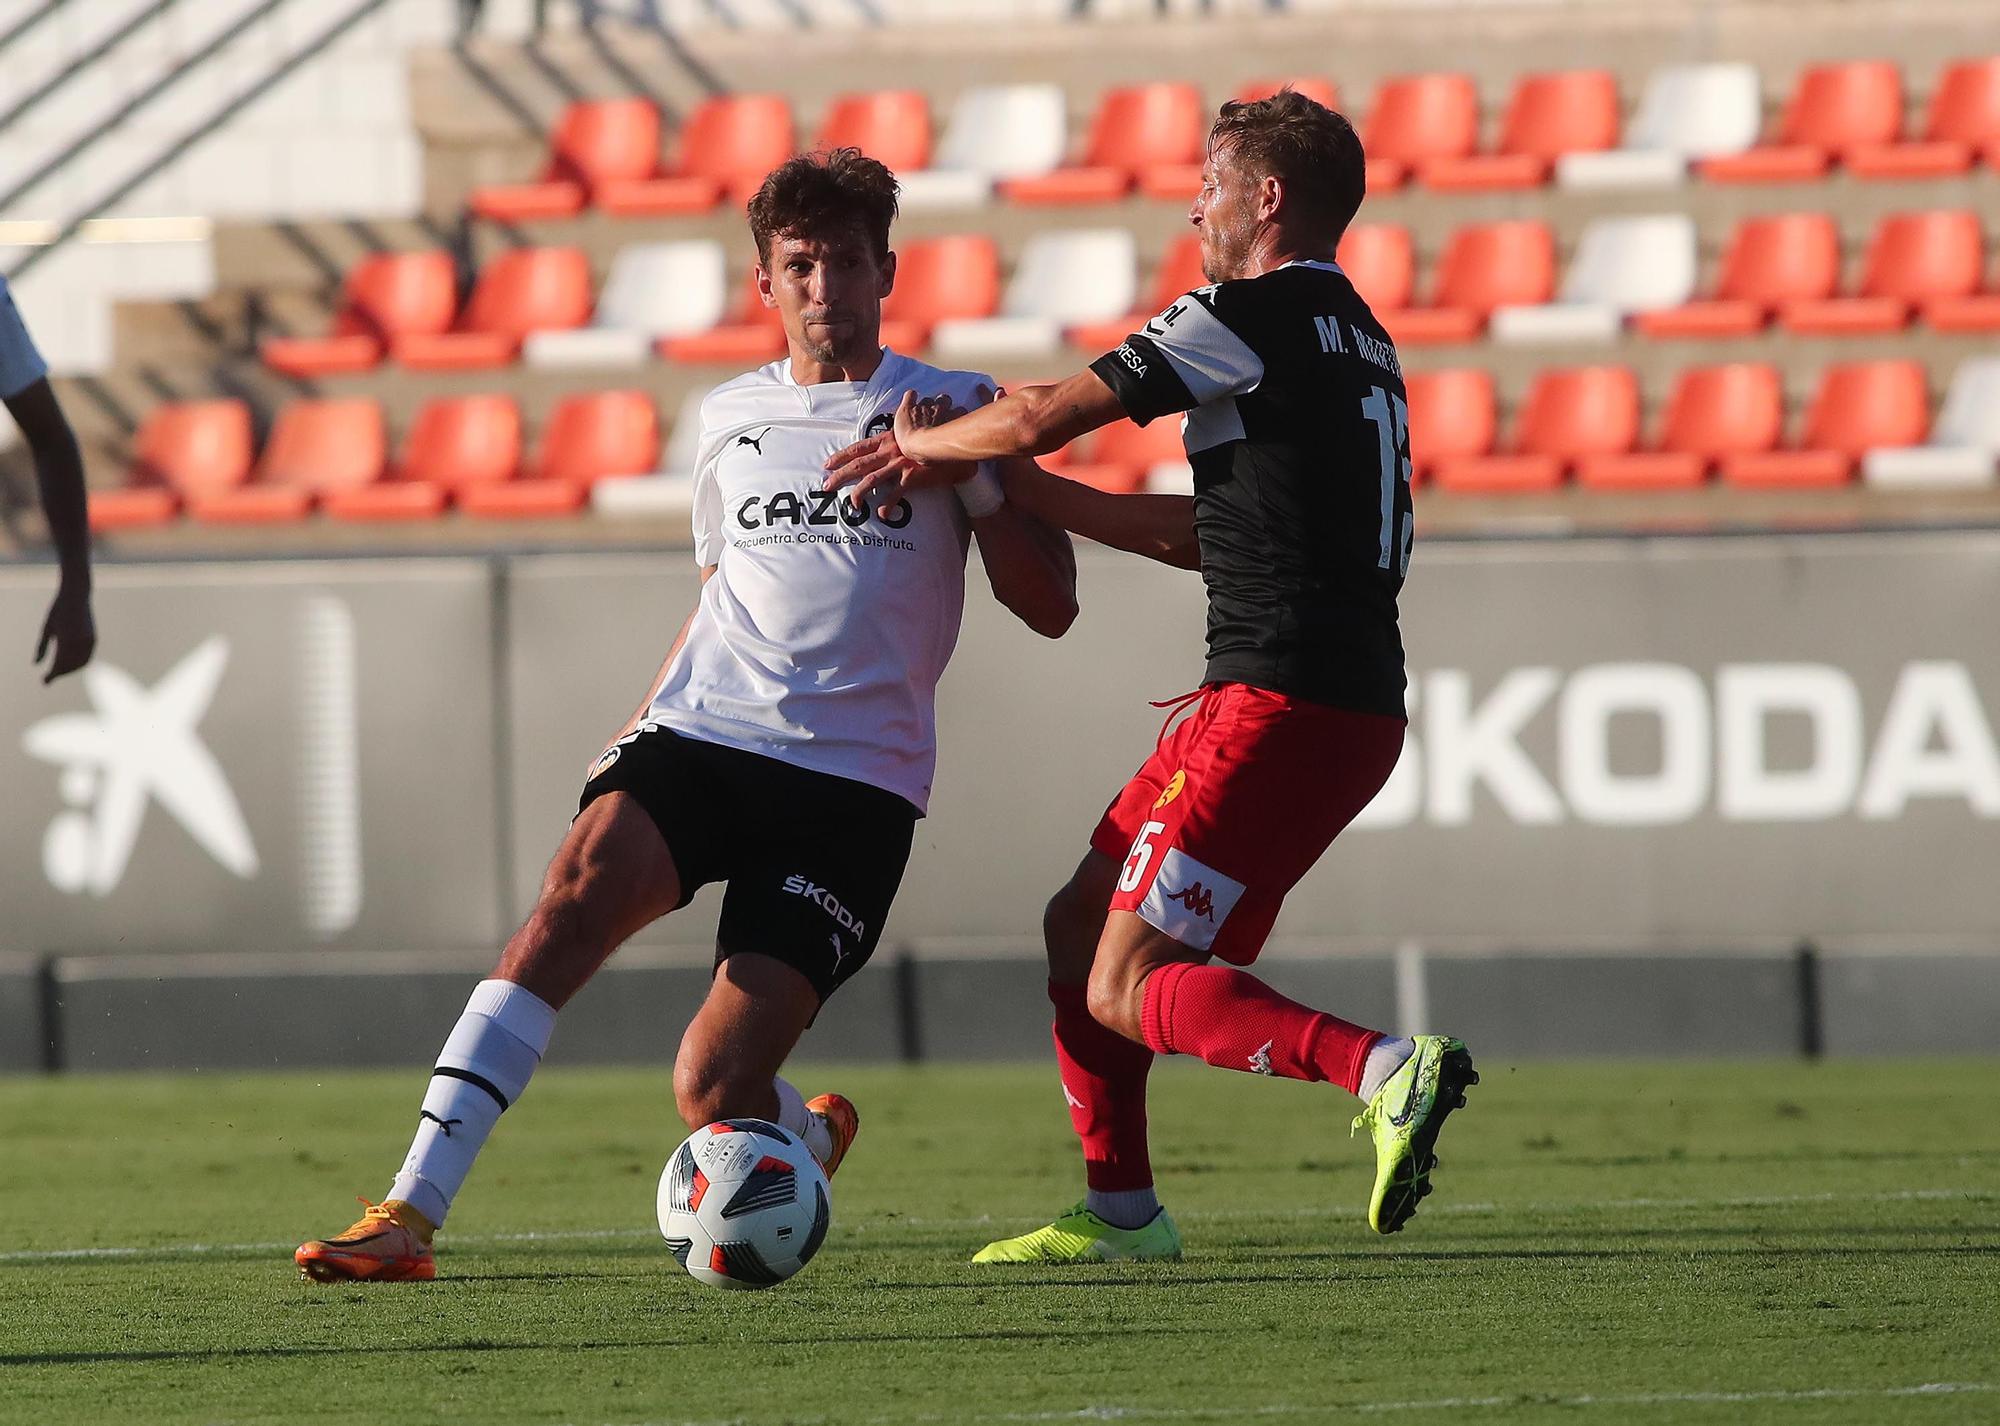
(1031, 567)
(1160, 527)
(646, 699)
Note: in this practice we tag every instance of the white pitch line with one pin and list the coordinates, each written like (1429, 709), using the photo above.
(574, 1235)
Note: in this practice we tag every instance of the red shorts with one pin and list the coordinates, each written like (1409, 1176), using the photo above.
(1234, 806)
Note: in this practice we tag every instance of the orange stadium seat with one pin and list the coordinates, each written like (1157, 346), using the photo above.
(1146, 133)
(1784, 257)
(938, 279)
(382, 297)
(1975, 312)
(1961, 122)
(1858, 406)
(522, 290)
(1571, 111)
(588, 437)
(893, 125)
(1569, 414)
(1116, 457)
(1714, 412)
(315, 447)
(1913, 258)
(597, 141)
(183, 448)
(1381, 262)
(1320, 91)
(1485, 265)
(1835, 109)
(456, 443)
(754, 333)
(1452, 414)
(729, 143)
(1416, 119)
(1178, 274)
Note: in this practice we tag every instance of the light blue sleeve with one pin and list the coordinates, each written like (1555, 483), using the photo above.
(21, 366)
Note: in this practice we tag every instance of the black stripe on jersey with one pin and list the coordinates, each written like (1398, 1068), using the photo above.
(1143, 380)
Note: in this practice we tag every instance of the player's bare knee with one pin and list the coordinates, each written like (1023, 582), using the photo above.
(706, 1088)
(1112, 994)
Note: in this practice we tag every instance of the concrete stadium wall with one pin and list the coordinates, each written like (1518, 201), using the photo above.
(1640, 774)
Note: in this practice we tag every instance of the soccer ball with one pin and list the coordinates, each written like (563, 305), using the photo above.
(743, 1204)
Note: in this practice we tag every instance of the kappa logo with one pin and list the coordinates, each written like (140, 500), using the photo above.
(822, 897)
(756, 443)
(137, 746)
(1070, 1099)
(1173, 788)
(1196, 898)
(1260, 1059)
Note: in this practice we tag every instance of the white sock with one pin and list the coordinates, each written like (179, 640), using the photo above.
(1385, 1057)
(793, 1115)
(482, 1069)
(1125, 1207)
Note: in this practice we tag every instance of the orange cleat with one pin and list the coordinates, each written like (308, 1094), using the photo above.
(842, 1122)
(390, 1243)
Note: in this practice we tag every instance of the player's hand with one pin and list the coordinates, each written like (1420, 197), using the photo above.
(70, 629)
(878, 471)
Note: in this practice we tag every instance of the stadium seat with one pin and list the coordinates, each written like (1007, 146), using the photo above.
(1150, 134)
(1381, 262)
(1062, 279)
(1784, 257)
(1621, 266)
(522, 290)
(1179, 273)
(1689, 111)
(183, 448)
(654, 291)
(995, 132)
(1858, 406)
(1417, 119)
(1569, 414)
(455, 443)
(1571, 111)
(667, 492)
(1964, 447)
(728, 144)
(939, 280)
(589, 437)
(1320, 91)
(1714, 412)
(892, 125)
(1121, 456)
(1961, 122)
(384, 296)
(1835, 109)
(597, 141)
(1452, 415)
(1913, 258)
(315, 447)
(1485, 265)
(754, 333)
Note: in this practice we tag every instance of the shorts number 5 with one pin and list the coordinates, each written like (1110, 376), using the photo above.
(1141, 857)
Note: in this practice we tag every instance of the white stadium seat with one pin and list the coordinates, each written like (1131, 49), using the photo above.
(1621, 265)
(669, 492)
(1063, 278)
(654, 290)
(1689, 111)
(1964, 447)
(1000, 131)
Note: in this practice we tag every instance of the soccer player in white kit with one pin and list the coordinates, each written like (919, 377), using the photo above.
(786, 746)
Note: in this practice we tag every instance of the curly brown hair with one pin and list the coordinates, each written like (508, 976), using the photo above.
(831, 191)
(1311, 148)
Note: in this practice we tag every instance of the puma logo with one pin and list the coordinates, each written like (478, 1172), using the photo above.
(444, 1124)
(756, 443)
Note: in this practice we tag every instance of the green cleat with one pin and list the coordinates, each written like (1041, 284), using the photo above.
(1080, 1236)
(1404, 1118)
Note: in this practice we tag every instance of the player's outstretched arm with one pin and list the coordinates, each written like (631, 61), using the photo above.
(1031, 567)
(1160, 527)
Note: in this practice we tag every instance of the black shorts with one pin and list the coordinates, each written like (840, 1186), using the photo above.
(812, 861)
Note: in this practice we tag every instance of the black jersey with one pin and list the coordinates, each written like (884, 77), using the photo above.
(1298, 431)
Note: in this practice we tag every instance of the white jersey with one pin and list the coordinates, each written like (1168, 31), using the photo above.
(821, 636)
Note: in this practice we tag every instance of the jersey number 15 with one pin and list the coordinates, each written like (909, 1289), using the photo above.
(1392, 429)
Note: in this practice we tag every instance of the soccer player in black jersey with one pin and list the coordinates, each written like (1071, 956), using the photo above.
(1297, 428)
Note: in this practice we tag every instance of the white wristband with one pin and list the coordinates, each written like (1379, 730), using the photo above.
(983, 494)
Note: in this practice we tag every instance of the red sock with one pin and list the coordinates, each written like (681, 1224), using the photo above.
(1104, 1083)
(1235, 1021)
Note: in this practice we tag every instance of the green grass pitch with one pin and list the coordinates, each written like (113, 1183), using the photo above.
(1609, 1243)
